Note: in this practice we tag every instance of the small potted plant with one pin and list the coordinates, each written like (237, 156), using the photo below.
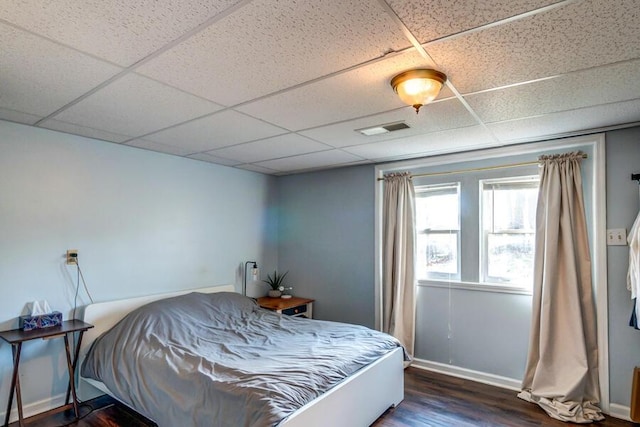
(276, 282)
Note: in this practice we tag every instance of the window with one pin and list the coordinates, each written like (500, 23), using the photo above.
(478, 231)
(508, 209)
(438, 231)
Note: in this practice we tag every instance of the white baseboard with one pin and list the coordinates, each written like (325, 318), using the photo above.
(468, 374)
(620, 411)
(34, 408)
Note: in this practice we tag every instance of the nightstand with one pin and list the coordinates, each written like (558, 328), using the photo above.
(16, 337)
(294, 306)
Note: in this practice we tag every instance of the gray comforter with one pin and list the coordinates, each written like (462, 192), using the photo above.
(220, 360)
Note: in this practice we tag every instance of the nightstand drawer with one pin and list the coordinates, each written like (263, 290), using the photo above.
(294, 306)
(295, 310)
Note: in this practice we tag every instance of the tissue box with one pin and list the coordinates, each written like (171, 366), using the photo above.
(39, 321)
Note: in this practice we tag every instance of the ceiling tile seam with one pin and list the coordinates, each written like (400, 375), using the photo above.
(288, 157)
(426, 154)
(213, 113)
(571, 134)
(320, 168)
(423, 52)
(85, 95)
(384, 56)
(407, 33)
(56, 42)
(553, 77)
(20, 112)
(94, 129)
(503, 21)
(509, 86)
(195, 95)
(353, 154)
(131, 68)
(535, 116)
(253, 141)
(213, 158)
(251, 164)
(317, 168)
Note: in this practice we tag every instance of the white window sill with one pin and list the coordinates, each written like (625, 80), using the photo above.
(472, 286)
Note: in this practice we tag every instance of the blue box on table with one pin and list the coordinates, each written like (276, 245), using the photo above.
(48, 320)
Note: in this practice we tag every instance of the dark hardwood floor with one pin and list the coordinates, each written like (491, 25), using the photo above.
(438, 400)
(431, 399)
(102, 411)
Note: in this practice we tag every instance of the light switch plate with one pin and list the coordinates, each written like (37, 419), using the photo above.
(617, 237)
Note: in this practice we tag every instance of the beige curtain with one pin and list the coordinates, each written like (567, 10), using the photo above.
(398, 245)
(562, 366)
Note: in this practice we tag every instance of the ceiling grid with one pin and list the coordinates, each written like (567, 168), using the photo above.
(281, 86)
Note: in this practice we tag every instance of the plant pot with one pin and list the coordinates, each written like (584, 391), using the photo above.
(274, 293)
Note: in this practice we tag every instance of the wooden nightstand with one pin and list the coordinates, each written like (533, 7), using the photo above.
(294, 306)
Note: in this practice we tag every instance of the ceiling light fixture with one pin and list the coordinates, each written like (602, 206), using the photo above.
(418, 87)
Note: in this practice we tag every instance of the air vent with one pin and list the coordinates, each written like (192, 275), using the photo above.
(377, 130)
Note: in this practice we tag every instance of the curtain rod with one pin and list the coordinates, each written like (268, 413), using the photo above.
(488, 168)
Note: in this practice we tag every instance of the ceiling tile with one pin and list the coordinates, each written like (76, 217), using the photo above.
(356, 93)
(566, 122)
(566, 92)
(579, 35)
(269, 45)
(439, 18)
(83, 131)
(17, 116)
(311, 161)
(216, 131)
(121, 31)
(38, 76)
(449, 141)
(270, 148)
(157, 146)
(205, 157)
(134, 105)
(433, 117)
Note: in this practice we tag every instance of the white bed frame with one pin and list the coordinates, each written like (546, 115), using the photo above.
(357, 401)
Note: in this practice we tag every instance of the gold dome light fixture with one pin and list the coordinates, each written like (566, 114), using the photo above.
(418, 87)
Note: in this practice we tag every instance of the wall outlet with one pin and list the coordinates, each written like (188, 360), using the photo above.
(72, 256)
(617, 237)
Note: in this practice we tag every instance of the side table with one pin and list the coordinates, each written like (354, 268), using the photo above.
(16, 337)
(294, 306)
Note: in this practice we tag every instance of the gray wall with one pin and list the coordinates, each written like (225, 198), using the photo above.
(353, 189)
(143, 223)
(326, 223)
(623, 203)
(489, 330)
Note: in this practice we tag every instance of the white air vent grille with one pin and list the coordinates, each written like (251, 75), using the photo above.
(377, 130)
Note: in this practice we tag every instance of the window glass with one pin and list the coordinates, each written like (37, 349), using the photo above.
(438, 231)
(508, 210)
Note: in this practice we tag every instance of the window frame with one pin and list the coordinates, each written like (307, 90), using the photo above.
(442, 187)
(515, 181)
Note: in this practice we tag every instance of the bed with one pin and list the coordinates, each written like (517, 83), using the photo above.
(330, 391)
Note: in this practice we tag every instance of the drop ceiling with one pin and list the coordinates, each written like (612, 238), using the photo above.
(282, 86)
